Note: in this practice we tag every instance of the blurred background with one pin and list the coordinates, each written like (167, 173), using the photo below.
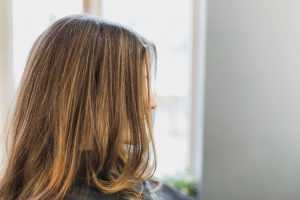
(167, 23)
(228, 82)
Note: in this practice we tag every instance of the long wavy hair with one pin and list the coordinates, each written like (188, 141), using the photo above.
(82, 113)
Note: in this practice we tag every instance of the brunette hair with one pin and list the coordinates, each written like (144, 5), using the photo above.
(82, 114)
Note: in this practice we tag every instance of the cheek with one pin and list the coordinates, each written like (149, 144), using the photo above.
(153, 102)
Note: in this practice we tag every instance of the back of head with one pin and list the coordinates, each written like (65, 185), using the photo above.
(82, 112)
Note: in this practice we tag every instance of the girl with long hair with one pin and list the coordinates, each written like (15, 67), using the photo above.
(82, 122)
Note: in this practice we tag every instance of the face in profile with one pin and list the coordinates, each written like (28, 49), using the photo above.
(153, 101)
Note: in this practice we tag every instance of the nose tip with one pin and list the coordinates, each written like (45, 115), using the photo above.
(153, 106)
(154, 103)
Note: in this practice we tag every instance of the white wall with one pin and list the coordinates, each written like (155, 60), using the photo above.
(252, 103)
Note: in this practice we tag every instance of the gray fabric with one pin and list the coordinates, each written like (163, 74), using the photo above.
(166, 192)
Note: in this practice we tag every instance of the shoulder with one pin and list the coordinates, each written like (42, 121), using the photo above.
(79, 193)
(153, 189)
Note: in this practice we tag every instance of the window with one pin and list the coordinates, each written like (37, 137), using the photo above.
(30, 18)
(168, 24)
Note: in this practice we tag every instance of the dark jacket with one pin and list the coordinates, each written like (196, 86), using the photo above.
(165, 192)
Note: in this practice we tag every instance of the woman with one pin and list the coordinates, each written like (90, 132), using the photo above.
(81, 125)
